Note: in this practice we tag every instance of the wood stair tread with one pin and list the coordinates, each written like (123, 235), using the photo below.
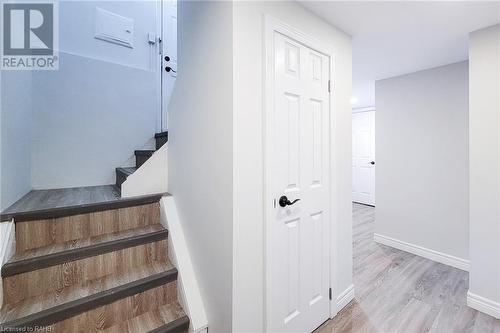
(168, 318)
(127, 170)
(81, 248)
(161, 134)
(141, 156)
(49, 308)
(144, 152)
(76, 209)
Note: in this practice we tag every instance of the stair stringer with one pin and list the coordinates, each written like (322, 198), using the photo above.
(7, 247)
(150, 178)
(188, 291)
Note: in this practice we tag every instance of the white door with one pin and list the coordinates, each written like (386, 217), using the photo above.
(363, 157)
(169, 56)
(299, 239)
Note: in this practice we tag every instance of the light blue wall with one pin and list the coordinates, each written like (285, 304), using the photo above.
(89, 117)
(16, 130)
(101, 104)
(74, 126)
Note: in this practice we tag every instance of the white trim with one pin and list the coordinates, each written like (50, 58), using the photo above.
(366, 109)
(159, 65)
(272, 25)
(7, 240)
(345, 297)
(484, 305)
(433, 255)
(188, 291)
(7, 246)
(150, 178)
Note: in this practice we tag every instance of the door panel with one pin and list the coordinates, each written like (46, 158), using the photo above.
(169, 49)
(299, 273)
(363, 149)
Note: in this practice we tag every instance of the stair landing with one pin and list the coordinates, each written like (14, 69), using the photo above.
(69, 201)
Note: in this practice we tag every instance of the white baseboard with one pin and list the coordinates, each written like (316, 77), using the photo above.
(484, 305)
(345, 297)
(440, 257)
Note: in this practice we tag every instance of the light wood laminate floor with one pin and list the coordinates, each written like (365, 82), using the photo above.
(63, 197)
(400, 292)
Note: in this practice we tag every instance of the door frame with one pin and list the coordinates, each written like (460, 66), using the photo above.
(272, 25)
(358, 111)
(163, 8)
(158, 63)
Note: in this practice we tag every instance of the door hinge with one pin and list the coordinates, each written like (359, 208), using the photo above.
(330, 293)
(329, 86)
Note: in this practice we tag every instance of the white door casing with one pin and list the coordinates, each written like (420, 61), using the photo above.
(298, 240)
(363, 157)
(168, 49)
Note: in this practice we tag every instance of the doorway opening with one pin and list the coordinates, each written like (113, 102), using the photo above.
(363, 156)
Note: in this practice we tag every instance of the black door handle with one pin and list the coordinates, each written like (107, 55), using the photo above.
(285, 202)
(372, 162)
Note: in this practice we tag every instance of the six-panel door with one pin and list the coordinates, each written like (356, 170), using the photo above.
(299, 239)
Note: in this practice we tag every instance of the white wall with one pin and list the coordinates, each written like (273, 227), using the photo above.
(100, 105)
(200, 149)
(16, 125)
(484, 128)
(215, 151)
(248, 241)
(422, 159)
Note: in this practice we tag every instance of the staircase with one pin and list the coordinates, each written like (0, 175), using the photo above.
(100, 267)
(141, 156)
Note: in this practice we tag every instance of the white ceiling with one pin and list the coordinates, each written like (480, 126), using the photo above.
(392, 38)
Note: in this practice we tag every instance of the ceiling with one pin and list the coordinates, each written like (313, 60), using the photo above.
(392, 38)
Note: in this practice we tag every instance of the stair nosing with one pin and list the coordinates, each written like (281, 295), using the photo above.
(48, 260)
(81, 209)
(144, 152)
(75, 307)
(161, 134)
(178, 325)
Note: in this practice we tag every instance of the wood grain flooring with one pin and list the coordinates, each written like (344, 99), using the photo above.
(400, 292)
(38, 233)
(56, 278)
(57, 198)
(152, 320)
(59, 253)
(112, 314)
(14, 311)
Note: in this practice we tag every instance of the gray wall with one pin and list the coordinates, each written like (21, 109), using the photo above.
(16, 125)
(82, 121)
(484, 129)
(201, 149)
(422, 159)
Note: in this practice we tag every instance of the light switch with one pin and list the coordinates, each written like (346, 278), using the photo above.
(113, 28)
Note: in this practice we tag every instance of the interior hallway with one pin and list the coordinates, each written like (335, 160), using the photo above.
(400, 292)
